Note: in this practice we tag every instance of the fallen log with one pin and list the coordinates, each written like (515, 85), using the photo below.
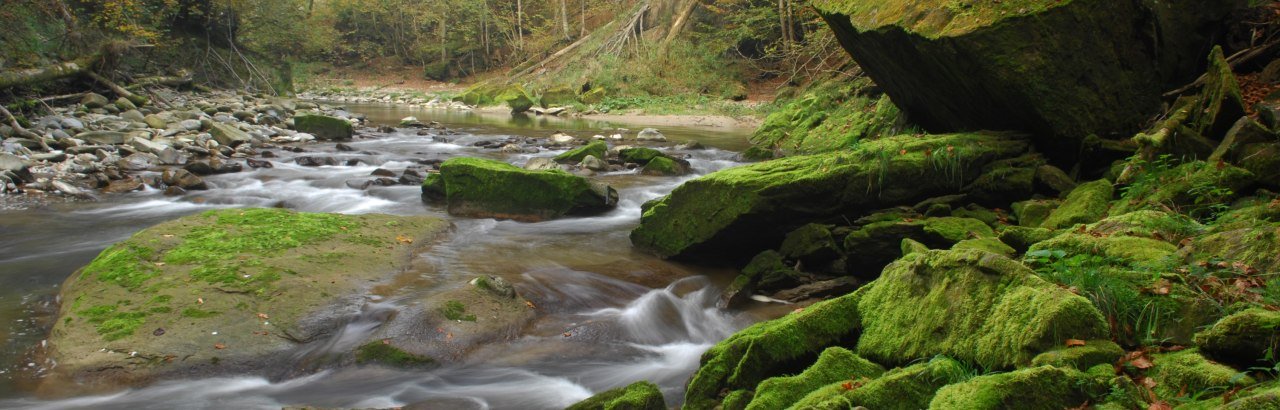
(116, 88)
(183, 79)
(20, 131)
(32, 76)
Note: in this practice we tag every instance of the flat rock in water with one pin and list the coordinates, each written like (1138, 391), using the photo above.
(232, 289)
(485, 188)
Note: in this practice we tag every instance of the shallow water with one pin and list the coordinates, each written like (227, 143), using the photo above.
(631, 316)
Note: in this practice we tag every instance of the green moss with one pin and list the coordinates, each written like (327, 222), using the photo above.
(1256, 246)
(487, 188)
(1022, 238)
(954, 18)
(558, 96)
(1044, 387)
(640, 395)
(974, 306)
(992, 245)
(384, 353)
(112, 322)
(987, 216)
(1196, 188)
(772, 348)
(957, 229)
(750, 208)
(1161, 225)
(834, 365)
(1134, 251)
(1033, 212)
(125, 264)
(639, 155)
(768, 270)
(1093, 353)
(1085, 204)
(1245, 338)
(737, 400)
(198, 313)
(812, 244)
(907, 388)
(516, 97)
(596, 149)
(831, 115)
(455, 310)
(910, 246)
(324, 127)
(480, 94)
(663, 166)
(1189, 372)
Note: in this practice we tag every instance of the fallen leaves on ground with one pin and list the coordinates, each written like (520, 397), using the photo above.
(219, 346)
(1074, 342)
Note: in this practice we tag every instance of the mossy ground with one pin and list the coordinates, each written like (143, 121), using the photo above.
(247, 273)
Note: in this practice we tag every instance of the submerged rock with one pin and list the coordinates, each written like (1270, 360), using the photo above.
(743, 210)
(484, 188)
(220, 291)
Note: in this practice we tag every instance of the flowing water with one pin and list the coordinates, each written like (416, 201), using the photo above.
(631, 316)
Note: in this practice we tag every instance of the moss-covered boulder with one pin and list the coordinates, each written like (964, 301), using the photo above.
(480, 94)
(221, 291)
(1081, 357)
(836, 364)
(990, 244)
(1127, 249)
(1043, 66)
(1243, 339)
(872, 246)
(746, 209)
(831, 114)
(1189, 371)
(666, 166)
(1034, 212)
(774, 348)
(1044, 387)
(974, 306)
(639, 155)
(483, 188)
(813, 245)
(557, 96)
(1196, 188)
(1021, 238)
(766, 271)
(640, 395)
(1087, 203)
(324, 127)
(906, 388)
(596, 149)
(516, 97)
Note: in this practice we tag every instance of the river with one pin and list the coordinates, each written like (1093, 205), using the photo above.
(633, 316)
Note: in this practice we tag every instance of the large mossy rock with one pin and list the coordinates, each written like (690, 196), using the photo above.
(905, 388)
(1189, 371)
(640, 395)
(1087, 203)
(324, 127)
(484, 188)
(1044, 387)
(836, 364)
(743, 210)
(974, 306)
(221, 291)
(773, 348)
(873, 246)
(1245, 339)
(516, 97)
(1043, 66)
(598, 149)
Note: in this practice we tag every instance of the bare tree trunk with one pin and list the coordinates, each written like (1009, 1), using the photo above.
(444, 50)
(782, 24)
(582, 29)
(564, 18)
(520, 25)
(681, 21)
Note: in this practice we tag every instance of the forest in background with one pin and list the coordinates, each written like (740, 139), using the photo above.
(638, 50)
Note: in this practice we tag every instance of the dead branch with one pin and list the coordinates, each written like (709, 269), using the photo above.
(1233, 61)
(22, 132)
(116, 88)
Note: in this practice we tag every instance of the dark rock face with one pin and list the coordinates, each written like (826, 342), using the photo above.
(1060, 69)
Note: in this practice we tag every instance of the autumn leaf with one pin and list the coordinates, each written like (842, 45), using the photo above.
(530, 305)
(1141, 362)
(219, 346)
(386, 341)
(263, 316)
(567, 334)
(199, 301)
(1159, 405)
(404, 239)
(1161, 287)
(1074, 342)
(846, 386)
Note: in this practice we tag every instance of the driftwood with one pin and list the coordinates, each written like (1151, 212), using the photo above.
(33, 76)
(116, 88)
(184, 78)
(20, 131)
